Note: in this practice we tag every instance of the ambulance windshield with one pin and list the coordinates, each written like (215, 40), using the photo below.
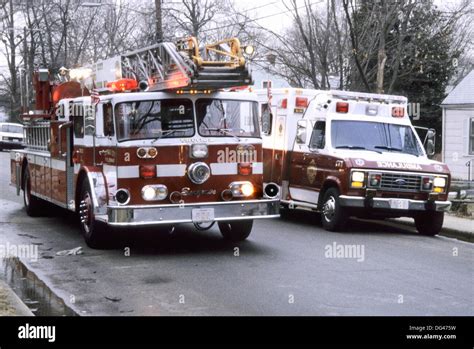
(167, 118)
(374, 136)
(224, 118)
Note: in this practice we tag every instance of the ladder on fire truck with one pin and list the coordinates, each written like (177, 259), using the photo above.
(187, 67)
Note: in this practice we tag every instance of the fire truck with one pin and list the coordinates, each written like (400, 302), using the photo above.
(351, 154)
(150, 137)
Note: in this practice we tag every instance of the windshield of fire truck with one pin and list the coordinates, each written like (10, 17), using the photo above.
(374, 136)
(221, 118)
(166, 118)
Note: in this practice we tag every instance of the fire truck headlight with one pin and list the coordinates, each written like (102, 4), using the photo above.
(241, 189)
(199, 151)
(154, 192)
(199, 172)
(148, 193)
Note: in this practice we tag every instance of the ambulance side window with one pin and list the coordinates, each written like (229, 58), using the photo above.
(267, 119)
(108, 120)
(318, 137)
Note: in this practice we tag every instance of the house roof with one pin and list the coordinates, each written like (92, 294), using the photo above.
(463, 93)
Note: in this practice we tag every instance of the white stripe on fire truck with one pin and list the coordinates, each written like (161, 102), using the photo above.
(170, 170)
(128, 172)
(179, 170)
(224, 168)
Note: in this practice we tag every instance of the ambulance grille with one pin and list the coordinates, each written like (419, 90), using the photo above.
(400, 182)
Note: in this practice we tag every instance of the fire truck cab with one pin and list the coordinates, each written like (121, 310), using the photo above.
(351, 154)
(126, 159)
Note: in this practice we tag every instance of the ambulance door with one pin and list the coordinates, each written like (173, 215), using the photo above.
(303, 165)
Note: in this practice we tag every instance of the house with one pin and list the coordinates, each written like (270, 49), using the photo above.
(458, 129)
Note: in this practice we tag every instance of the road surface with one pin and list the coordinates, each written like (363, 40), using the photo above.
(288, 266)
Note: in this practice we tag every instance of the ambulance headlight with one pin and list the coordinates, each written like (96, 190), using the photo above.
(199, 151)
(439, 182)
(357, 179)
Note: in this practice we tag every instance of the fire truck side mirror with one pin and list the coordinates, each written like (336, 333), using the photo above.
(301, 128)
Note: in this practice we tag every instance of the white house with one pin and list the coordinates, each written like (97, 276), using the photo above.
(458, 129)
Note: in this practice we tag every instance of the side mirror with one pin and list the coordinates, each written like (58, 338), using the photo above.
(430, 147)
(301, 132)
(267, 123)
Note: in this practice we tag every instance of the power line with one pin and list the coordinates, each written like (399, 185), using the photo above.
(259, 18)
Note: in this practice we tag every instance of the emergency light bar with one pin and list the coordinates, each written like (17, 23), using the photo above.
(371, 97)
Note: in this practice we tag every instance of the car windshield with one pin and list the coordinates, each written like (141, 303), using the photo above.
(167, 118)
(374, 136)
(12, 128)
(221, 118)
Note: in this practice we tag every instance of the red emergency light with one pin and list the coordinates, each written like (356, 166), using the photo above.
(398, 112)
(342, 107)
(301, 102)
(123, 85)
(147, 171)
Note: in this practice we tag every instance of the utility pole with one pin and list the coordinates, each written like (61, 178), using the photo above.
(159, 22)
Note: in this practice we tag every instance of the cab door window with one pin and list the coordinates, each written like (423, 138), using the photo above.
(108, 120)
(318, 136)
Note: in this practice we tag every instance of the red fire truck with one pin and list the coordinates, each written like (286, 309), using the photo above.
(347, 154)
(158, 142)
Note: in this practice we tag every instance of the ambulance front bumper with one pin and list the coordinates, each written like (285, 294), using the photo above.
(191, 213)
(393, 204)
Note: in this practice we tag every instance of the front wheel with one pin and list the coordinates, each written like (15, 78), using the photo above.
(236, 231)
(31, 202)
(429, 223)
(333, 215)
(94, 232)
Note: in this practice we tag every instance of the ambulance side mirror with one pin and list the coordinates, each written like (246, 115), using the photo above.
(301, 128)
(430, 142)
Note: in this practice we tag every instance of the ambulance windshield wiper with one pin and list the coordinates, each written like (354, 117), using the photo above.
(385, 147)
(356, 147)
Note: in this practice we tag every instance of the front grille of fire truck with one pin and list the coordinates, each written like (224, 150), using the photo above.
(400, 182)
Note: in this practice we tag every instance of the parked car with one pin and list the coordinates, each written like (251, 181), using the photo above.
(11, 136)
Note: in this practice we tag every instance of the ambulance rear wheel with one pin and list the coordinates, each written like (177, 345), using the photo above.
(333, 215)
(236, 231)
(94, 232)
(32, 203)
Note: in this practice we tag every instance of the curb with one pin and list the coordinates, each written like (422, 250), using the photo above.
(14, 301)
(448, 232)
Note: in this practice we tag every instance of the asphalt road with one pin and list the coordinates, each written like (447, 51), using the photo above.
(283, 269)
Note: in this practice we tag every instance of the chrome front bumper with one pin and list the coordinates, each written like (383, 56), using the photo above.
(175, 214)
(385, 203)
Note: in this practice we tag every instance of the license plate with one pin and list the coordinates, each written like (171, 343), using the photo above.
(399, 204)
(200, 215)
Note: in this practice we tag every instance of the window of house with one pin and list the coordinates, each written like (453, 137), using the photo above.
(471, 137)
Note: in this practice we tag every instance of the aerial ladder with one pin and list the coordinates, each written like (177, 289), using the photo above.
(181, 66)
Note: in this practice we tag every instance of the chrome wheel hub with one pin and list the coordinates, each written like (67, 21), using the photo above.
(329, 209)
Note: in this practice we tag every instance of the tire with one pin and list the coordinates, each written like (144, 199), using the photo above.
(429, 223)
(94, 232)
(236, 231)
(333, 215)
(33, 205)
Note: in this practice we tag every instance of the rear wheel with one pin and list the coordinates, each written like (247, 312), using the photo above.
(236, 230)
(31, 202)
(94, 232)
(429, 223)
(333, 215)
